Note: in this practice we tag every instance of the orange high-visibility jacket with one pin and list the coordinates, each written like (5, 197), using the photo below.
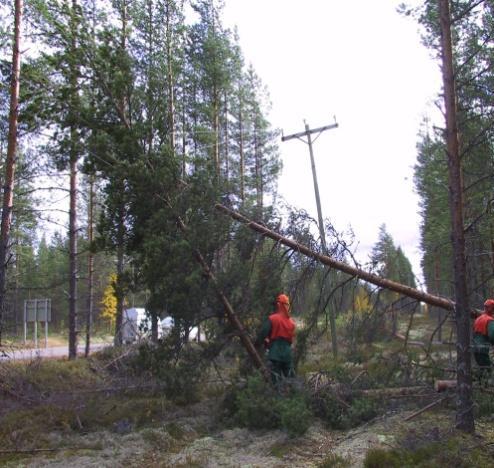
(481, 324)
(282, 326)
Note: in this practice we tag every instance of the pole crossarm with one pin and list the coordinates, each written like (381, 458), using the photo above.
(309, 132)
(329, 261)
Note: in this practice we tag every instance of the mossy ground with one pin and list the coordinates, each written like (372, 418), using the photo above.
(99, 412)
(432, 441)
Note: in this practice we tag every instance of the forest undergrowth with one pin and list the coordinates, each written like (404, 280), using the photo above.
(152, 406)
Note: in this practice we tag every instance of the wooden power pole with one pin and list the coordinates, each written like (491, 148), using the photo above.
(308, 135)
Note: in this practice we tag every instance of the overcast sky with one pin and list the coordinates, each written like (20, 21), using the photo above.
(363, 63)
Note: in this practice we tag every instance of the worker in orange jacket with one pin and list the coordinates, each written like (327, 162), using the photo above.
(278, 333)
(483, 338)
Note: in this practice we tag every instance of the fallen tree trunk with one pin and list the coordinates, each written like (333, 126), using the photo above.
(329, 261)
(321, 382)
(394, 392)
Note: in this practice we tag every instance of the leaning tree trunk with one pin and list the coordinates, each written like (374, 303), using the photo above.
(464, 415)
(340, 266)
(10, 163)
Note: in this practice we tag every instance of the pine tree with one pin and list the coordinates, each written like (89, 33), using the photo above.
(10, 163)
(450, 39)
(391, 262)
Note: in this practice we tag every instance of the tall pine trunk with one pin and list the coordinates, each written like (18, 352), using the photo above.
(216, 132)
(464, 414)
(241, 148)
(258, 167)
(90, 229)
(90, 268)
(120, 241)
(226, 137)
(150, 44)
(184, 141)
(73, 250)
(170, 76)
(10, 163)
(73, 170)
(119, 289)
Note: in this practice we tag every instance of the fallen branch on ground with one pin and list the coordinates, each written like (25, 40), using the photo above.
(37, 450)
(425, 408)
(118, 358)
(409, 342)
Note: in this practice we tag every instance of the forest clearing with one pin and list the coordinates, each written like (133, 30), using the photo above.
(243, 331)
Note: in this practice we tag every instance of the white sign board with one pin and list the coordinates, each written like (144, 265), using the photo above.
(37, 310)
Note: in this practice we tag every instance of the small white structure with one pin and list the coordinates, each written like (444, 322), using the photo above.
(166, 326)
(136, 325)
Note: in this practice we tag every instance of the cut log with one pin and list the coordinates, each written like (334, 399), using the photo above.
(393, 392)
(321, 383)
(443, 385)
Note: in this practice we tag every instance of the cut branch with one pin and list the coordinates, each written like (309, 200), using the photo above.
(425, 408)
(38, 450)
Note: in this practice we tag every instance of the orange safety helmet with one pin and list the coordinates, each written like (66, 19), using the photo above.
(283, 299)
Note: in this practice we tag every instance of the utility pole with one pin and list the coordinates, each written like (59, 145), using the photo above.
(308, 134)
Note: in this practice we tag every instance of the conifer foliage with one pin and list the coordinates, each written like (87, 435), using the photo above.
(153, 101)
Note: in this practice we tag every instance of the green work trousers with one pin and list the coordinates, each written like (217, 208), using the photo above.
(483, 360)
(281, 370)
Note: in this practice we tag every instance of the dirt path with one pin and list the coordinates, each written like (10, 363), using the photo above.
(26, 354)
